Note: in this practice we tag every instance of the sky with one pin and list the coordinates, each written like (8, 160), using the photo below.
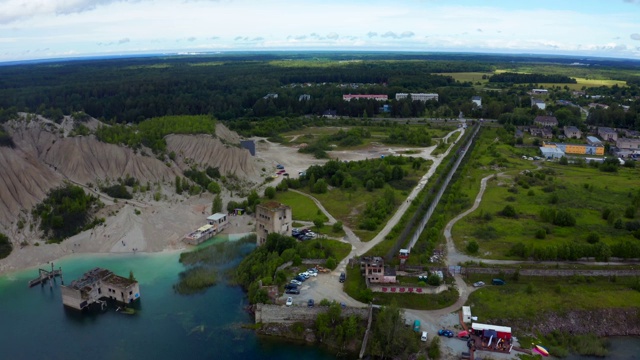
(42, 29)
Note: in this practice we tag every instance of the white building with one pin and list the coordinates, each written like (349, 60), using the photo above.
(539, 103)
(477, 100)
(98, 284)
(417, 96)
(540, 91)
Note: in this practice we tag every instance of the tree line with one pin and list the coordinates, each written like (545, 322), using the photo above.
(522, 78)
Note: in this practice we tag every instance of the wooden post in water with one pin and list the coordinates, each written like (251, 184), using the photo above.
(61, 278)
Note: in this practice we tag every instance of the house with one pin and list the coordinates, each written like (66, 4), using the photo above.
(628, 144)
(572, 132)
(539, 103)
(592, 140)
(270, 96)
(631, 133)
(98, 284)
(546, 121)
(350, 97)
(375, 271)
(607, 134)
(417, 96)
(304, 97)
(544, 133)
(539, 91)
(272, 217)
(477, 100)
(596, 105)
(219, 220)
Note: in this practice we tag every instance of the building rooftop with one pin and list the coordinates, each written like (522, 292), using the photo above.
(389, 271)
(272, 205)
(216, 216)
(606, 130)
(95, 275)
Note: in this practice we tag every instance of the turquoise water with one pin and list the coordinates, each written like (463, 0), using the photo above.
(35, 325)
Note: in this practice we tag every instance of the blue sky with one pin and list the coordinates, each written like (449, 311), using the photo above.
(36, 29)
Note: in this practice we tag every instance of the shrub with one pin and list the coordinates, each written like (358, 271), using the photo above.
(553, 199)
(593, 238)
(331, 263)
(606, 213)
(5, 246)
(434, 348)
(564, 218)
(531, 193)
(508, 211)
(541, 234)
(473, 247)
(337, 226)
(630, 212)
(270, 192)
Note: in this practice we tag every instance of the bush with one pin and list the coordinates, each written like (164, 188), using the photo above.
(319, 223)
(5, 246)
(117, 191)
(434, 348)
(564, 218)
(337, 226)
(593, 238)
(541, 234)
(270, 192)
(473, 247)
(508, 211)
(630, 212)
(331, 263)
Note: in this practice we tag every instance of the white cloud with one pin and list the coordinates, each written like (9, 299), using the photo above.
(635, 36)
(332, 36)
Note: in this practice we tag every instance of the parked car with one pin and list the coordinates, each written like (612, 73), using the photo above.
(291, 286)
(314, 274)
(478, 284)
(300, 278)
(444, 332)
(312, 270)
(293, 291)
(279, 166)
(416, 325)
(304, 274)
(289, 301)
(296, 282)
(310, 303)
(498, 282)
(423, 337)
(343, 277)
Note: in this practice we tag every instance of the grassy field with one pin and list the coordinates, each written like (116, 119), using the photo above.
(347, 205)
(584, 192)
(469, 76)
(531, 297)
(302, 208)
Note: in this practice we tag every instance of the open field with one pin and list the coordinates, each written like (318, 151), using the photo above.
(469, 76)
(302, 208)
(584, 192)
(531, 297)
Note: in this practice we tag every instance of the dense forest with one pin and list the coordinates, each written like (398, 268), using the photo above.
(245, 89)
(520, 78)
(131, 90)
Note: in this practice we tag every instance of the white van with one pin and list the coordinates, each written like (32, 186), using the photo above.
(424, 336)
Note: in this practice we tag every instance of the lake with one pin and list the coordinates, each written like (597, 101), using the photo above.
(35, 325)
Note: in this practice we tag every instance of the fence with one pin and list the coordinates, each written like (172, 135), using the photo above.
(441, 183)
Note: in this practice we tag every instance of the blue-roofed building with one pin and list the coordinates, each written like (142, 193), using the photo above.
(551, 152)
(592, 140)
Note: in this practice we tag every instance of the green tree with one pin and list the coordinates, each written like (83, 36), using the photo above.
(5, 246)
(318, 222)
(337, 226)
(213, 187)
(434, 351)
(178, 185)
(270, 192)
(508, 211)
(331, 263)
(216, 206)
